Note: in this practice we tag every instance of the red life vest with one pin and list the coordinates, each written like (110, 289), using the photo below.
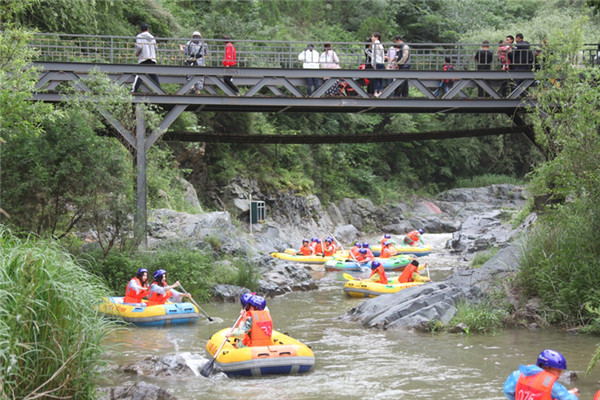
(382, 276)
(131, 296)
(306, 250)
(535, 387)
(407, 274)
(155, 298)
(597, 395)
(261, 330)
(370, 255)
(355, 251)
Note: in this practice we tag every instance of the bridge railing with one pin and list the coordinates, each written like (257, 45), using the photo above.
(260, 54)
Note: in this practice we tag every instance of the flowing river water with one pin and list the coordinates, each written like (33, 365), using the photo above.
(352, 362)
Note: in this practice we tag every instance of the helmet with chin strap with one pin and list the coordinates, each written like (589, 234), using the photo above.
(365, 245)
(387, 236)
(552, 359)
(363, 251)
(140, 272)
(375, 264)
(158, 274)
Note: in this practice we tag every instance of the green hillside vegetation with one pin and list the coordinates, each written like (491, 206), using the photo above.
(58, 170)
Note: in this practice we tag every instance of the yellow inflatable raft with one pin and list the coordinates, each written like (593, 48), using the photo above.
(362, 289)
(142, 315)
(285, 356)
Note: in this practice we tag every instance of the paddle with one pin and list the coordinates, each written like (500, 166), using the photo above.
(348, 277)
(427, 266)
(208, 367)
(196, 304)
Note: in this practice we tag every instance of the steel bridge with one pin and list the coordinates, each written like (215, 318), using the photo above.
(279, 90)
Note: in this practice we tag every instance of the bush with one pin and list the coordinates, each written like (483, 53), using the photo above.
(479, 318)
(50, 332)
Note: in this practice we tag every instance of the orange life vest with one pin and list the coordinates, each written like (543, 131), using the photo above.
(370, 255)
(155, 298)
(535, 387)
(306, 250)
(318, 248)
(597, 395)
(407, 275)
(261, 330)
(131, 296)
(329, 250)
(354, 251)
(386, 252)
(382, 276)
(413, 236)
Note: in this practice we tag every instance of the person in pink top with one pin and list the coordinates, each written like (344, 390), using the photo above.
(229, 60)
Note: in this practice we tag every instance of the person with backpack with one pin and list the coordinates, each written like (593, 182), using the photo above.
(195, 51)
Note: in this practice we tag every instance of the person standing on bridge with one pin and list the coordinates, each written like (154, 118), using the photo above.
(484, 58)
(145, 51)
(229, 60)
(403, 62)
(378, 61)
(310, 60)
(195, 50)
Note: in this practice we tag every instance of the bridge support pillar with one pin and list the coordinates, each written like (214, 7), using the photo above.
(140, 219)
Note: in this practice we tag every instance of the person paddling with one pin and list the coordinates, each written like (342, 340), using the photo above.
(160, 292)
(540, 381)
(257, 328)
(137, 288)
(387, 250)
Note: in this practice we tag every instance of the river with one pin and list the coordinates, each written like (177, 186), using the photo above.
(352, 362)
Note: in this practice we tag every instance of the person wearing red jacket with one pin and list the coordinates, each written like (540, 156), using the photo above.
(305, 250)
(229, 60)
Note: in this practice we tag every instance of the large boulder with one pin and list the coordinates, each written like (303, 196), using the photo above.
(416, 306)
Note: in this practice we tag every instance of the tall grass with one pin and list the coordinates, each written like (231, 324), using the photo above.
(487, 180)
(50, 332)
(479, 318)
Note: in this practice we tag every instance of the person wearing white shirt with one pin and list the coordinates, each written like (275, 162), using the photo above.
(378, 62)
(310, 60)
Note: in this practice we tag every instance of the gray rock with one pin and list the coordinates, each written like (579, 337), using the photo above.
(335, 214)
(190, 194)
(283, 278)
(416, 306)
(228, 293)
(135, 391)
(159, 366)
(346, 233)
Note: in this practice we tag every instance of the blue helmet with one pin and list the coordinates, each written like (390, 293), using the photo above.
(387, 236)
(363, 251)
(357, 244)
(318, 240)
(421, 231)
(258, 301)
(313, 239)
(552, 359)
(304, 240)
(365, 245)
(329, 239)
(245, 298)
(386, 243)
(375, 264)
(158, 274)
(140, 272)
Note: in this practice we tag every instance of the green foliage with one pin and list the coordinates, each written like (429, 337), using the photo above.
(50, 332)
(487, 180)
(198, 270)
(483, 256)
(479, 318)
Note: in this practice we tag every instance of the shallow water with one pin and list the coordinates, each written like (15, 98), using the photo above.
(353, 362)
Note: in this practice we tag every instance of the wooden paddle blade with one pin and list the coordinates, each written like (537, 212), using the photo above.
(207, 369)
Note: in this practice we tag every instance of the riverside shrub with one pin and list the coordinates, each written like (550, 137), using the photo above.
(50, 331)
